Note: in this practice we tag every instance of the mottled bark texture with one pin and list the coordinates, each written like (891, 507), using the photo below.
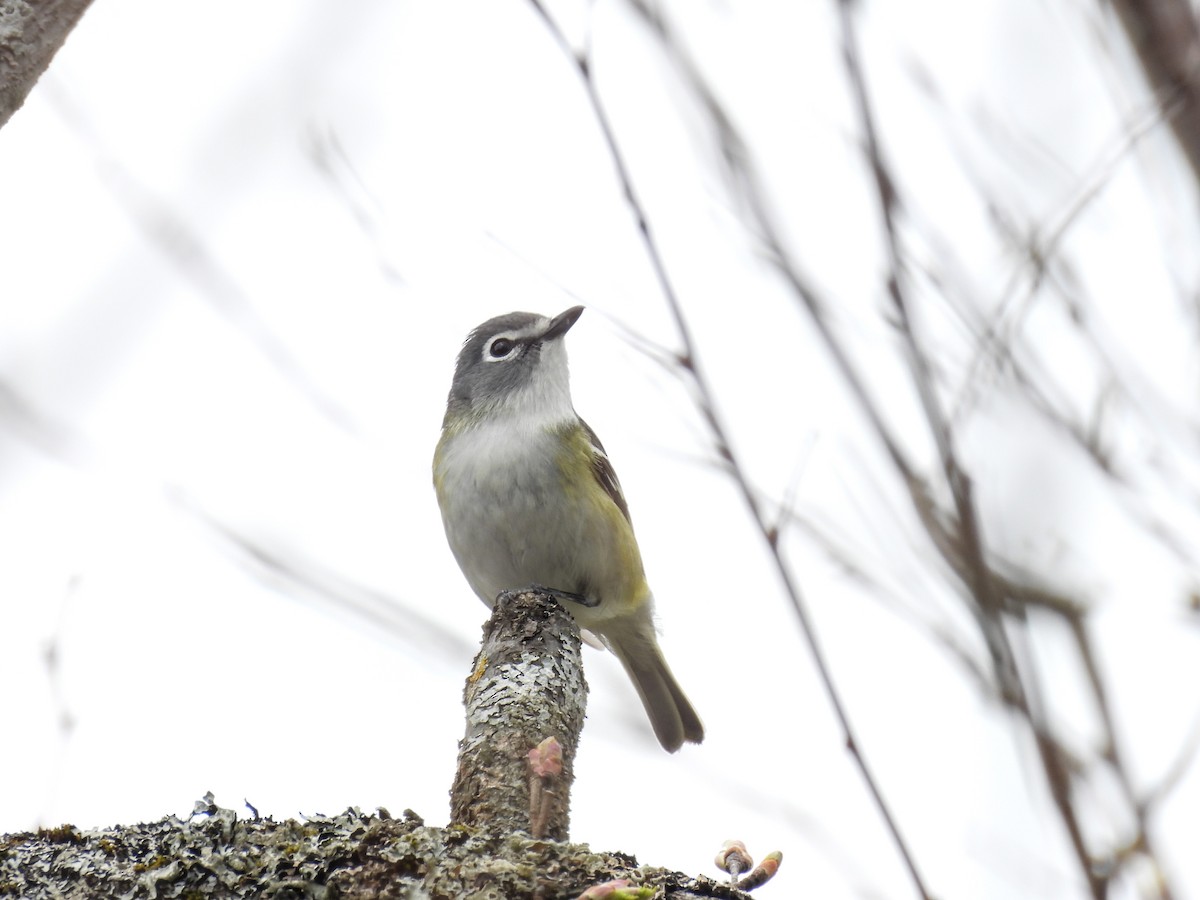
(219, 854)
(527, 686)
(31, 31)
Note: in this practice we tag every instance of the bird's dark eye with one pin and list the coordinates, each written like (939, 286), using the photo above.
(501, 347)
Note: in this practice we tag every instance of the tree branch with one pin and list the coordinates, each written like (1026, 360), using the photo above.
(527, 689)
(31, 31)
(217, 854)
(689, 363)
(1166, 37)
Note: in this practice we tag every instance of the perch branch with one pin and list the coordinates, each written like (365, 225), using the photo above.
(527, 686)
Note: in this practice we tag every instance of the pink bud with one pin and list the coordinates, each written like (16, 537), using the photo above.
(546, 758)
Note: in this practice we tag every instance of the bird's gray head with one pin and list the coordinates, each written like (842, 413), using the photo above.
(515, 365)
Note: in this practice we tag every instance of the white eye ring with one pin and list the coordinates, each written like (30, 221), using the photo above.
(501, 348)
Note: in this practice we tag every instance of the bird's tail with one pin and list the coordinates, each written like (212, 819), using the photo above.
(671, 715)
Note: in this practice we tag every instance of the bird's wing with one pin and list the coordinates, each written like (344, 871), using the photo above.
(604, 473)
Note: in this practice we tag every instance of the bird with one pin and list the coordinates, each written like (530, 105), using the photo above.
(528, 496)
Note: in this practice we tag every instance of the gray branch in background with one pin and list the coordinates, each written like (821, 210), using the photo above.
(1001, 603)
(1166, 37)
(690, 369)
(31, 31)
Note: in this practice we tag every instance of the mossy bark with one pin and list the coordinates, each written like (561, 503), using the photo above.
(218, 854)
(527, 686)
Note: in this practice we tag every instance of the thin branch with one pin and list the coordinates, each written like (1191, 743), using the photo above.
(1166, 37)
(966, 527)
(690, 363)
(306, 579)
(182, 244)
(1042, 245)
(956, 478)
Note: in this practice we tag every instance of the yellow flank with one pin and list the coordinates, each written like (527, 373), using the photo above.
(622, 578)
(439, 472)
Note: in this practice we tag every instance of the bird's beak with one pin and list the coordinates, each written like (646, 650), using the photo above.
(562, 323)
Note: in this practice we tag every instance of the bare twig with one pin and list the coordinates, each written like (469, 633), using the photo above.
(689, 363)
(181, 243)
(956, 478)
(998, 598)
(966, 528)
(306, 579)
(1166, 36)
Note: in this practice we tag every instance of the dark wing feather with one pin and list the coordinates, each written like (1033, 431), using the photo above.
(604, 473)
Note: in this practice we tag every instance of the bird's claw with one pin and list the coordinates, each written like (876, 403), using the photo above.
(560, 596)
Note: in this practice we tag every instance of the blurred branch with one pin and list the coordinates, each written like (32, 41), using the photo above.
(1039, 248)
(960, 538)
(689, 363)
(325, 151)
(299, 577)
(52, 658)
(183, 245)
(841, 550)
(998, 600)
(1176, 771)
(967, 533)
(1166, 38)
(32, 32)
(956, 478)
(21, 417)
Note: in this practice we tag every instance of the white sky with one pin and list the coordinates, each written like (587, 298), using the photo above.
(216, 329)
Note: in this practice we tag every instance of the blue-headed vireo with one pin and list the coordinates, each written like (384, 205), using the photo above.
(528, 496)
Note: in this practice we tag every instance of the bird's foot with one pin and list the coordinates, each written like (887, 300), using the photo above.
(560, 596)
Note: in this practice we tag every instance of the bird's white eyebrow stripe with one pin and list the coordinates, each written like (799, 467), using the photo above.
(521, 334)
(513, 334)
